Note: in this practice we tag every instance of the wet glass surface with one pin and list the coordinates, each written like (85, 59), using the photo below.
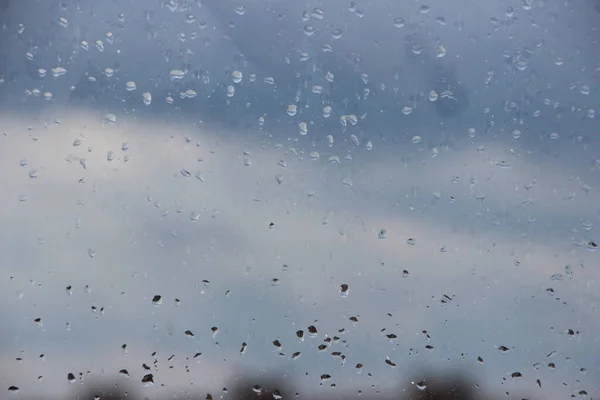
(347, 194)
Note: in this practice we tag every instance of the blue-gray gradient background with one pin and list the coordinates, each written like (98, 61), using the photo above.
(221, 206)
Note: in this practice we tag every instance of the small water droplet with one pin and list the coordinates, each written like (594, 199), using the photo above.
(157, 300)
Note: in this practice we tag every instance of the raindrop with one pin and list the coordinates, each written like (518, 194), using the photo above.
(110, 118)
(147, 97)
(157, 300)
(70, 377)
(292, 109)
(148, 380)
(382, 234)
(130, 85)
(62, 21)
(398, 22)
(240, 10)
(177, 74)
(303, 128)
(236, 76)
(411, 241)
(309, 30)
(441, 52)
(344, 289)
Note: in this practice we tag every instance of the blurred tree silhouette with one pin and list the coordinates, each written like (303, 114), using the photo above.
(248, 387)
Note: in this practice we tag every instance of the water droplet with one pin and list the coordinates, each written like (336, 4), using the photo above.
(148, 380)
(70, 377)
(100, 45)
(292, 109)
(416, 139)
(344, 289)
(441, 52)
(411, 241)
(309, 30)
(382, 234)
(303, 128)
(240, 10)
(236, 76)
(110, 118)
(433, 96)
(406, 110)
(62, 21)
(177, 74)
(58, 71)
(584, 89)
(147, 97)
(157, 300)
(522, 65)
(399, 22)
(33, 174)
(13, 389)
(130, 85)
(554, 136)
(314, 155)
(337, 33)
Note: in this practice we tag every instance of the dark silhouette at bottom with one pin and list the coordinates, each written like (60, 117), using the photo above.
(433, 387)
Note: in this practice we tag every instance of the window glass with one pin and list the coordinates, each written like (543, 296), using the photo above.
(351, 197)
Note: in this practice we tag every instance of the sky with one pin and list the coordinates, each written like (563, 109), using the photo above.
(447, 232)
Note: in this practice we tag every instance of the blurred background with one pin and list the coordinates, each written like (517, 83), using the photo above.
(351, 197)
